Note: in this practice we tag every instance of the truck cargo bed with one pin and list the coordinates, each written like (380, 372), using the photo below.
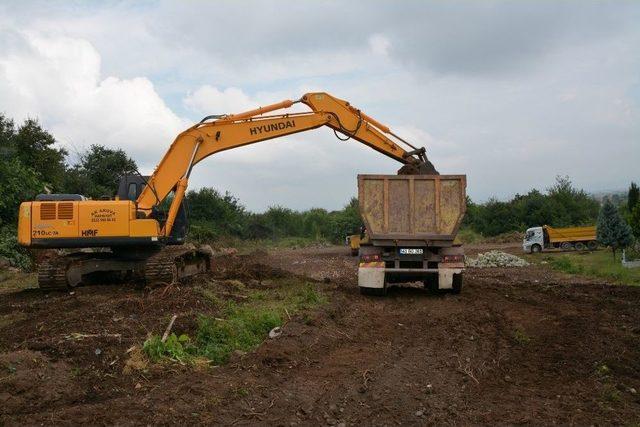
(412, 208)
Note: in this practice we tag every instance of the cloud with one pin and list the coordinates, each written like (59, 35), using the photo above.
(57, 79)
(210, 100)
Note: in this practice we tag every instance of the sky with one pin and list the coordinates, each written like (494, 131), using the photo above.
(510, 93)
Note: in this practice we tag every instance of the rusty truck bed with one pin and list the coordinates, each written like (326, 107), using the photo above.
(414, 208)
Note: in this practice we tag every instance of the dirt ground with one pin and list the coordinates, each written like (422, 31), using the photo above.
(518, 346)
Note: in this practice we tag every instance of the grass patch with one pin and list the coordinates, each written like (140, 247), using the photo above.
(468, 236)
(595, 264)
(243, 328)
(238, 326)
(521, 337)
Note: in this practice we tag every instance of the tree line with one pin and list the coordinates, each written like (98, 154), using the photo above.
(562, 205)
(214, 215)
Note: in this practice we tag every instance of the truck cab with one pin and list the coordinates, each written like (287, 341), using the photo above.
(533, 240)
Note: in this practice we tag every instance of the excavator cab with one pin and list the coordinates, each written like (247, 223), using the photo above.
(131, 186)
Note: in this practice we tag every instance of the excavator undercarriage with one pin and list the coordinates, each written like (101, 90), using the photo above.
(165, 265)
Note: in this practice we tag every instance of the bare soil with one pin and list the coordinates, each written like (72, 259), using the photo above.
(518, 346)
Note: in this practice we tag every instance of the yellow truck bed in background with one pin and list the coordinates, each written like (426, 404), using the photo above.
(571, 234)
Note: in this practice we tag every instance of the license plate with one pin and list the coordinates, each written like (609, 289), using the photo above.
(407, 251)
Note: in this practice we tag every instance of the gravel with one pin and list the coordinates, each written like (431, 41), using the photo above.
(496, 259)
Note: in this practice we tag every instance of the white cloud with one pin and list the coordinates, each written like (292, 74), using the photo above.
(57, 79)
(210, 100)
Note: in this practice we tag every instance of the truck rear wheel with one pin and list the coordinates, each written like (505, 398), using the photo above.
(565, 246)
(592, 245)
(580, 246)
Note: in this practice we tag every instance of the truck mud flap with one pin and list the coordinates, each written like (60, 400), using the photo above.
(371, 275)
(445, 277)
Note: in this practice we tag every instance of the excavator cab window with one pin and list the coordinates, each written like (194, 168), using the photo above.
(132, 193)
(131, 186)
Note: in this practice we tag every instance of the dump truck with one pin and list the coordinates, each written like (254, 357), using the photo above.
(411, 222)
(537, 239)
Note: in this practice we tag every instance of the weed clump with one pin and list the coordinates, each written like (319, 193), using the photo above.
(243, 329)
(238, 327)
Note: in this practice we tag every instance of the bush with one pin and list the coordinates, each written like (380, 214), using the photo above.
(468, 235)
(10, 249)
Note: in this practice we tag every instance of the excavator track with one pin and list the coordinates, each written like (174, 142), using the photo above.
(52, 274)
(167, 265)
(173, 263)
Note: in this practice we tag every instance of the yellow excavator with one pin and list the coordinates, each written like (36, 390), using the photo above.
(137, 238)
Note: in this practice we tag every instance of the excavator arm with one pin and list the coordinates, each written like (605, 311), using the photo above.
(218, 133)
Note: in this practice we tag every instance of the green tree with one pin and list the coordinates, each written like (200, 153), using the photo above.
(633, 196)
(346, 221)
(98, 172)
(222, 214)
(612, 230)
(19, 183)
(634, 222)
(35, 148)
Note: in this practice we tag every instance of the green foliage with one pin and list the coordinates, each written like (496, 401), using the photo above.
(521, 337)
(634, 221)
(564, 264)
(633, 197)
(612, 230)
(177, 348)
(243, 329)
(220, 214)
(98, 172)
(562, 206)
(19, 183)
(467, 235)
(214, 216)
(11, 250)
(33, 148)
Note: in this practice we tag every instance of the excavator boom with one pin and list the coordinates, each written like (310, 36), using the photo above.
(236, 130)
